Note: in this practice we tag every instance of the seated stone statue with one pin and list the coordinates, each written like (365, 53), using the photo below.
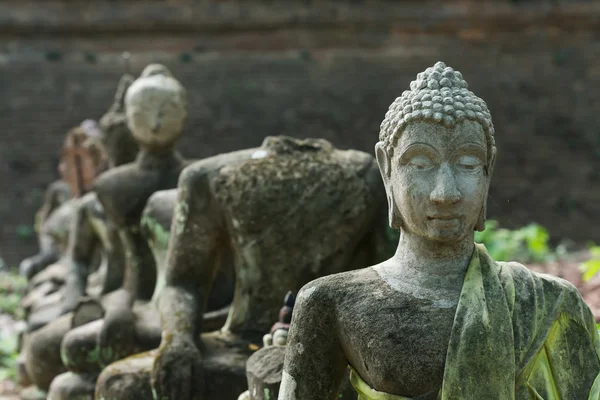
(292, 210)
(156, 108)
(91, 236)
(440, 319)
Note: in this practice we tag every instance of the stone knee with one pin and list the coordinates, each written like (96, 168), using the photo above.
(128, 379)
(70, 386)
(79, 349)
(41, 352)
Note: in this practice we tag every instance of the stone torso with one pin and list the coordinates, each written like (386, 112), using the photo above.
(296, 211)
(124, 191)
(401, 348)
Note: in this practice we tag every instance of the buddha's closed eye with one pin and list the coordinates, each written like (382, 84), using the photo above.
(421, 163)
(468, 162)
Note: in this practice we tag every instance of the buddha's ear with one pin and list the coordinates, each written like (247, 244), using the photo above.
(491, 164)
(383, 160)
(480, 226)
(385, 167)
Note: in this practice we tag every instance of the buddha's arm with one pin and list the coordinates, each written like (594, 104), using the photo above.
(79, 254)
(314, 360)
(193, 256)
(56, 194)
(49, 252)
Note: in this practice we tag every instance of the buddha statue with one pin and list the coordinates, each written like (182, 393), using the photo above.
(91, 236)
(440, 319)
(156, 109)
(291, 210)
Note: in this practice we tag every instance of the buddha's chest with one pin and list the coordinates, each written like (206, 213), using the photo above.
(400, 344)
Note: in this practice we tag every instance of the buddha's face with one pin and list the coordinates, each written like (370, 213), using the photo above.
(156, 112)
(438, 179)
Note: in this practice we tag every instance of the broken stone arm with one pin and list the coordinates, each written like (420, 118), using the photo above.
(49, 253)
(314, 360)
(82, 241)
(192, 263)
(193, 256)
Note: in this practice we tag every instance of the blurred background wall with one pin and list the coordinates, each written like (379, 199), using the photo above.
(311, 69)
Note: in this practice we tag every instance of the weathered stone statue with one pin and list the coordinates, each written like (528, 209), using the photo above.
(156, 109)
(91, 236)
(440, 319)
(292, 210)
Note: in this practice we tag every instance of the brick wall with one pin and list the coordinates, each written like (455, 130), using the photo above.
(311, 69)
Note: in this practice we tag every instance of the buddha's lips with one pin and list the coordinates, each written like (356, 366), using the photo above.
(443, 217)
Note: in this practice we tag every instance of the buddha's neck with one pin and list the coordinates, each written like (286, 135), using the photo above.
(425, 260)
(157, 158)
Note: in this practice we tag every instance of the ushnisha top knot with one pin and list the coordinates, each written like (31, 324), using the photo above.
(439, 94)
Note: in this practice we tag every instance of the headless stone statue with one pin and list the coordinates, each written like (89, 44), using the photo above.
(440, 319)
(91, 236)
(156, 110)
(292, 210)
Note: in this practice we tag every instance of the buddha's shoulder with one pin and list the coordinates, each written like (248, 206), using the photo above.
(118, 178)
(526, 282)
(331, 289)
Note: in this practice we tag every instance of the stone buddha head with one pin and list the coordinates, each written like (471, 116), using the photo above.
(436, 154)
(156, 108)
(121, 147)
(83, 157)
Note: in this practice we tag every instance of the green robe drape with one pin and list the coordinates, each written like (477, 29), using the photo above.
(517, 335)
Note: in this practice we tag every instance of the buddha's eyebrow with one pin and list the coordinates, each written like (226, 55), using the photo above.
(418, 145)
(471, 147)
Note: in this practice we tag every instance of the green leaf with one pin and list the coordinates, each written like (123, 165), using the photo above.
(590, 268)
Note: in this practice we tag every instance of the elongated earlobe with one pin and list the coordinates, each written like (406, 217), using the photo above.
(395, 219)
(383, 161)
(480, 225)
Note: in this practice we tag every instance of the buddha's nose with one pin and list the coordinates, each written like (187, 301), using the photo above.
(155, 127)
(445, 190)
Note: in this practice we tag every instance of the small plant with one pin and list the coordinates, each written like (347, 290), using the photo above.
(8, 357)
(526, 244)
(12, 287)
(591, 267)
